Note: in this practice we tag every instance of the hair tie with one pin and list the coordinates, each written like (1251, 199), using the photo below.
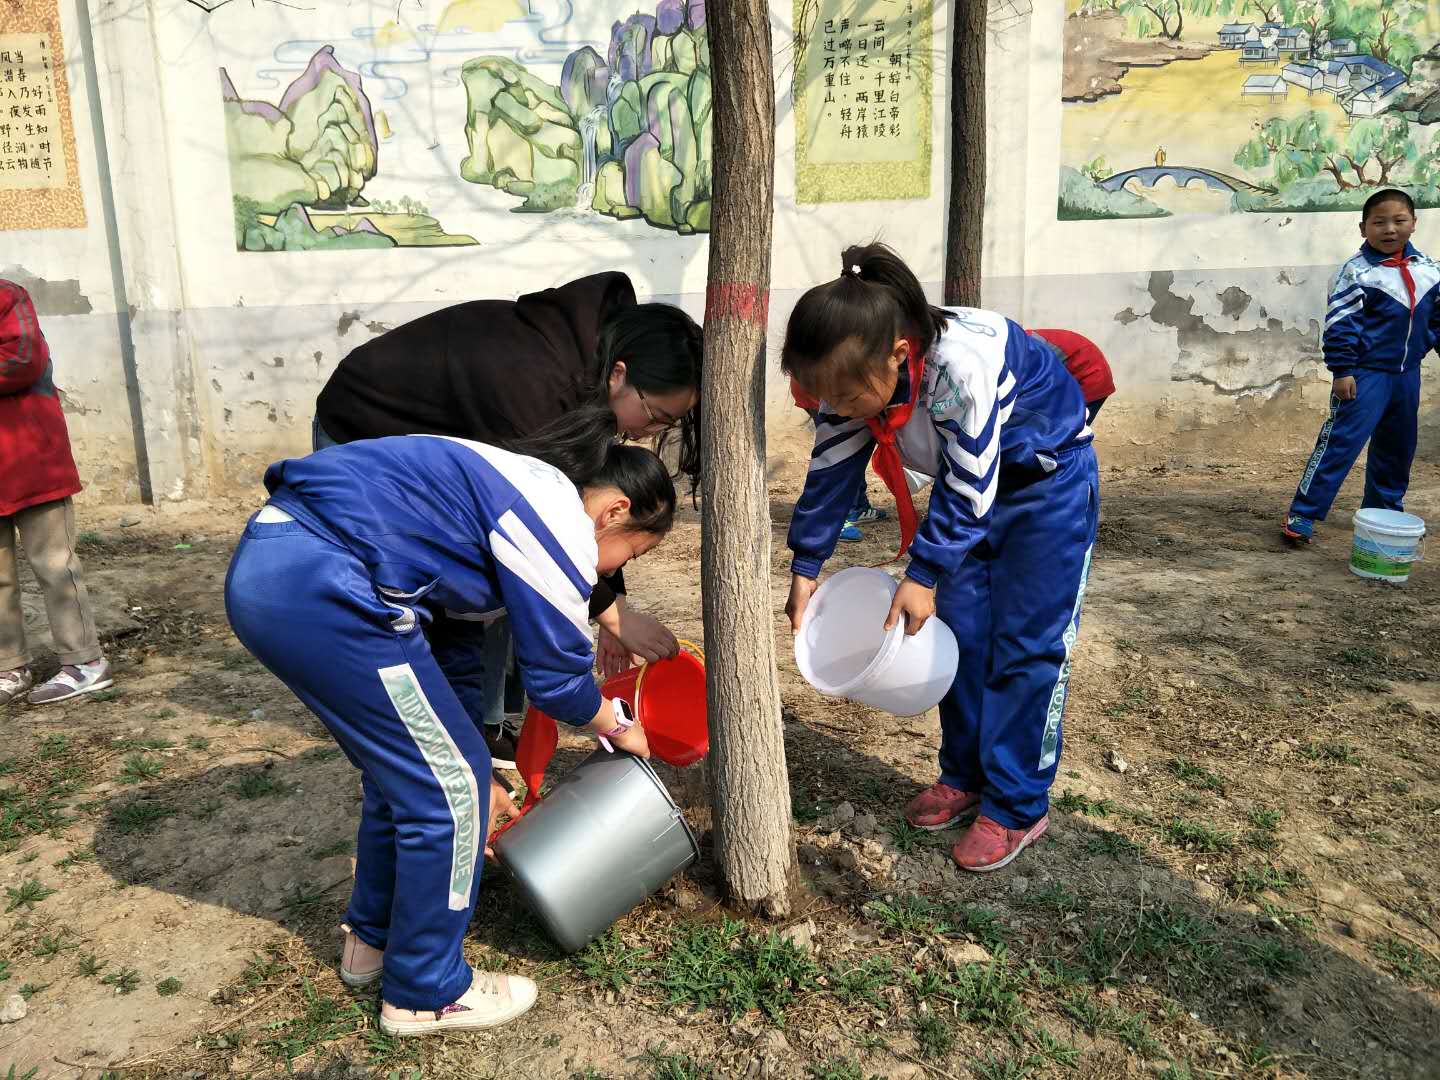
(855, 269)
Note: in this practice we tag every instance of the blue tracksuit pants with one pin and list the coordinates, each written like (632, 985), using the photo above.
(307, 610)
(1385, 411)
(1014, 606)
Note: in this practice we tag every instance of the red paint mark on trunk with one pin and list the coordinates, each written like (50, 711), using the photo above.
(729, 300)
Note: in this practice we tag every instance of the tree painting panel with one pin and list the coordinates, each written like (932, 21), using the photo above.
(1215, 106)
(377, 133)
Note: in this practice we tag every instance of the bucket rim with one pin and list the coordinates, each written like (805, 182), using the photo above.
(884, 655)
(1366, 518)
(654, 777)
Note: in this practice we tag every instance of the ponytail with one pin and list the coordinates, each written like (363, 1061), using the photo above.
(875, 300)
(582, 446)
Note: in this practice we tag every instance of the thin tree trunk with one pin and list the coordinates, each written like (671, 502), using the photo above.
(749, 781)
(967, 153)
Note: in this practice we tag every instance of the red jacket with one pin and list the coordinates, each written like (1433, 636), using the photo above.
(35, 462)
(1085, 362)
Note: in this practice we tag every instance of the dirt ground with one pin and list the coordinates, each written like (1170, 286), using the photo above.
(1240, 879)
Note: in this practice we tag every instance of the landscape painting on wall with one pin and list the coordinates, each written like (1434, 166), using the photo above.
(418, 134)
(1261, 106)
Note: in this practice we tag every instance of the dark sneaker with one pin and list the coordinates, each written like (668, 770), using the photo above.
(71, 681)
(869, 515)
(1298, 529)
(502, 747)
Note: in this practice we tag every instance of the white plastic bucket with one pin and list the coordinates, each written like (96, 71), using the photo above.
(1387, 542)
(844, 650)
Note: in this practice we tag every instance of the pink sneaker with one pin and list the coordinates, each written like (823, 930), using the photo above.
(988, 845)
(939, 806)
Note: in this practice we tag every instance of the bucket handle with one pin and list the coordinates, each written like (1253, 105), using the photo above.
(645, 667)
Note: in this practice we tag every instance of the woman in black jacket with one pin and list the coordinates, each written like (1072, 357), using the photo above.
(502, 371)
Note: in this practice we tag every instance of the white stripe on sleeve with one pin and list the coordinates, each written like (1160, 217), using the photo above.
(519, 551)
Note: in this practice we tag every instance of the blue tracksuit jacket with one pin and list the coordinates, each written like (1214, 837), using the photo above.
(1377, 332)
(1000, 424)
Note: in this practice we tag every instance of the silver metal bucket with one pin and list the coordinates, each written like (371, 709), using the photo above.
(607, 836)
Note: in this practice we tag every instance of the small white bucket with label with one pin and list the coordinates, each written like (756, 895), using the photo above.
(1387, 542)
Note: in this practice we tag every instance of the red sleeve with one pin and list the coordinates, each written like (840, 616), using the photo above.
(1085, 362)
(23, 352)
(802, 399)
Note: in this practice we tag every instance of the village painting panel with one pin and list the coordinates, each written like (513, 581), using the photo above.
(1259, 106)
(436, 123)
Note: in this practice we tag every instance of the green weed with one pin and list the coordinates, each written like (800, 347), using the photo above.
(302, 899)
(934, 1033)
(169, 987)
(1196, 837)
(1251, 881)
(723, 966)
(863, 982)
(258, 785)
(610, 962)
(140, 818)
(1061, 1053)
(992, 1068)
(1408, 962)
(1072, 802)
(259, 970)
(1266, 820)
(53, 746)
(29, 894)
(1273, 956)
(1054, 897)
(1331, 753)
(76, 857)
(840, 1069)
(906, 838)
(911, 914)
(667, 1066)
(8, 765)
(1195, 775)
(321, 1020)
(1103, 842)
(29, 990)
(152, 743)
(89, 966)
(197, 742)
(53, 945)
(140, 768)
(125, 981)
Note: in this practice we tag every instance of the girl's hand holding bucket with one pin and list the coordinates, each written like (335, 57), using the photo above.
(916, 602)
(801, 590)
(500, 803)
(632, 740)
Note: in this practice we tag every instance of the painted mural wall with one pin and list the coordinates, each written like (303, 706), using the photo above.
(1247, 106)
(416, 133)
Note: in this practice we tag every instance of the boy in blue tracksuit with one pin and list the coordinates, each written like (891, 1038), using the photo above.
(330, 587)
(1383, 317)
(1002, 557)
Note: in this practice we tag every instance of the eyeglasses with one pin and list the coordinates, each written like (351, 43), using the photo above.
(662, 422)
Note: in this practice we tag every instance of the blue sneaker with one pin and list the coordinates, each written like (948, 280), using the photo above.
(868, 515)
(1298, 529)
(851, 533)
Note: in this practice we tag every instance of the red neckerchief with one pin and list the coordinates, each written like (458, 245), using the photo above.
(1401, 260)
(886, 461)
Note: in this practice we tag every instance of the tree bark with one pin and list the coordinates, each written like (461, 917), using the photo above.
(964, 229)
(749, 782)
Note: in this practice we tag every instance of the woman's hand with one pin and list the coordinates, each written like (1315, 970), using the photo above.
(611, 656)
(1344, 388)
(645, 636)
(916, 602)
(500, 803)
(801, 590)
(632, 741)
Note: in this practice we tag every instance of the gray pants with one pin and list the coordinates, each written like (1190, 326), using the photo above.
(48, 533)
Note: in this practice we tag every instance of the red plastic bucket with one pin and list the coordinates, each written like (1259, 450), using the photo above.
(668, 697)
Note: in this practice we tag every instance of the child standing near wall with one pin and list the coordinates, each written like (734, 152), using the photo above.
(37, 479)
(1002, 557)
(1383, 317)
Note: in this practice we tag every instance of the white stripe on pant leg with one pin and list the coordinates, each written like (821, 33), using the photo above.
(1322, 443)
(452, 773)
(1050, 742)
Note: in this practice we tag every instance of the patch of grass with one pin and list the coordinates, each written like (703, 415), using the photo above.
(76, 857)
(911, 914)
(985, 994)
(29, 990)
(258, 785)
(1196, 776)
(1408, 962)
(1061, 1053)
(107, 695)
(1164, 938)
(169, 987)
(125, 981)
(1331, 753)
(610, 962)
(89, 966)
(197, 742)
(302, 899)
(1197, 837)
(990, 1067)
(667, 1066)
(53, 945)
(321, 1020)
(862, 983)
(840, 1069)
(1134, 699)
(979, 923)
(140, 768)
(934, 1033)
(1291, 920)
(1361, 656)
(1054, 897)
(29, 894)
(1130, 1028)
(53, 746)
(1072, 802)
(8, 766)
(724, 966)
(5, 971)
(1273, 956)
(259, 970)
(152, 743)
(906, 838)
(1104, 842)
(140, 817)
(1251, 881)
(28, 1074)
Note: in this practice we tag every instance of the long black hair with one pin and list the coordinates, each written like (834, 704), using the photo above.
(663, 350)
(876, 299)
(582, 445)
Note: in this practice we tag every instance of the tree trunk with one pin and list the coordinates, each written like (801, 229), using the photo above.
(749, 781)
(964, 229)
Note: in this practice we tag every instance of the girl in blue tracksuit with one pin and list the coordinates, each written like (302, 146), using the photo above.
(1384, 316)
(330, 588)
(1002, 557)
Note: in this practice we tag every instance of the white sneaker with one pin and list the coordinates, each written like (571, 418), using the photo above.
(14, 683)
(493, 999)
(71, 681)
